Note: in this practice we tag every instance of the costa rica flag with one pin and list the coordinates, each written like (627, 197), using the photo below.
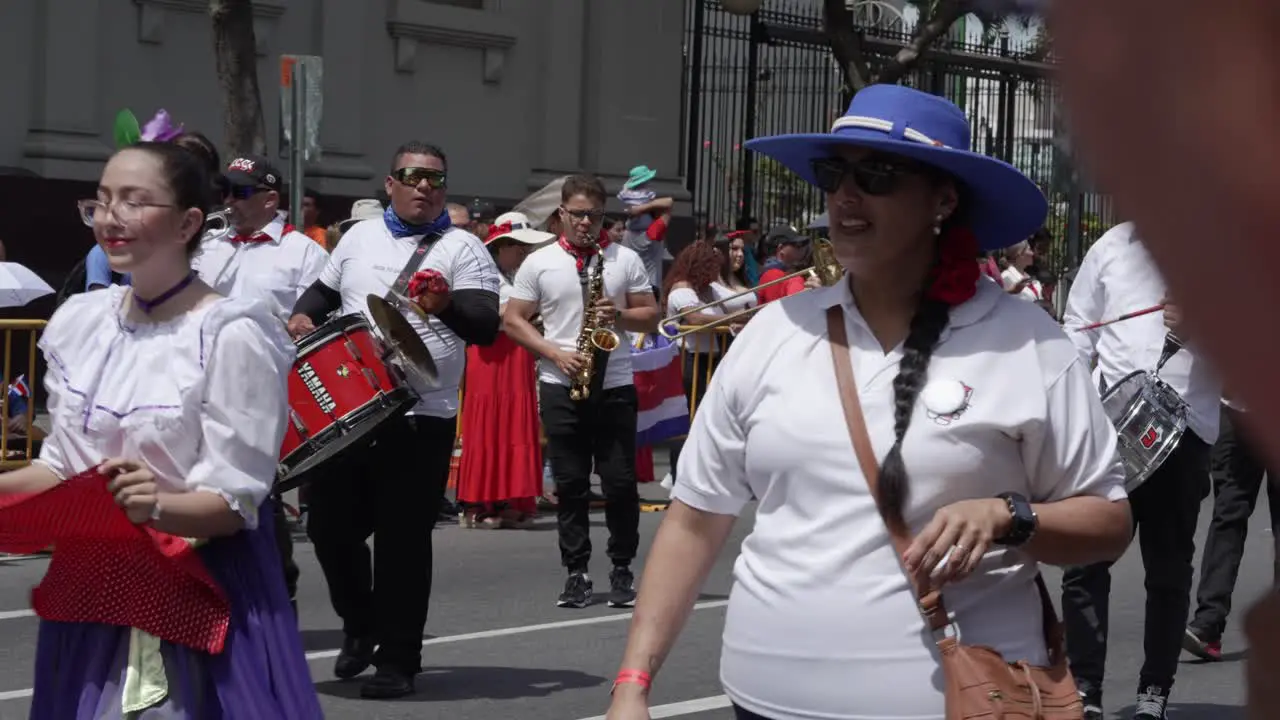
(663, 409)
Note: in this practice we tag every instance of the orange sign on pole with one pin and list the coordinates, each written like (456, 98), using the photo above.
(287, 63)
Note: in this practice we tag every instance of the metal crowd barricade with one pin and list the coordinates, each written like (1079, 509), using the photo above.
(703, 364)
(16, 450)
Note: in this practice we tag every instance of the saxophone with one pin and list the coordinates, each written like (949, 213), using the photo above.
(592, 337)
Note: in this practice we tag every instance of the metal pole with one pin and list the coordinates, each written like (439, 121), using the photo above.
(297, 143)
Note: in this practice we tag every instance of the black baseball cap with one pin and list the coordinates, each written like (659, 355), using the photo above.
(253, 171)
(785, 235)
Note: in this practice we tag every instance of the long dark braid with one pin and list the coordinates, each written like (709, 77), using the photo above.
(927, 324)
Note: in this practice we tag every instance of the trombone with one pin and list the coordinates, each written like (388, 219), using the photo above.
(826, 268)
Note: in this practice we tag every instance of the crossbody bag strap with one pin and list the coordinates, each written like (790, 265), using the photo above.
(415, 261)
(930, 602)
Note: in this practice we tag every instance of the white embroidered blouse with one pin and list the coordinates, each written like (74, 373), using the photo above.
(201, 399)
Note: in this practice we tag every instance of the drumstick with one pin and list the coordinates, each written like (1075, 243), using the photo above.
(1126, 316)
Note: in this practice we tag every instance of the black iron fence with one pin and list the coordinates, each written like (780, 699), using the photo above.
(772, 72)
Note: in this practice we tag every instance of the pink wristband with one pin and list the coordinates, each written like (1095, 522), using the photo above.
(635, 677)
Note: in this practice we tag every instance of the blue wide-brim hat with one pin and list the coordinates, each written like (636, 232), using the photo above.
(1004, 206)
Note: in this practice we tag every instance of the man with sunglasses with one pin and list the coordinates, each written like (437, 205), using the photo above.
(790, 253)
(600, 429)
(264, 258)
(392, 488)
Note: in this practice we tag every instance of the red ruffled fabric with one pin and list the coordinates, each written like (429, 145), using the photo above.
(501, 451)
(107, 570)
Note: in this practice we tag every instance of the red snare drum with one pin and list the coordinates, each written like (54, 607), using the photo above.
(340, 391)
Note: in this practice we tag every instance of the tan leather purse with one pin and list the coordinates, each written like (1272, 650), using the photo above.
(980, 682)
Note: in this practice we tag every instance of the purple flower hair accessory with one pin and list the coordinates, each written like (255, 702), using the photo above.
(160, 128)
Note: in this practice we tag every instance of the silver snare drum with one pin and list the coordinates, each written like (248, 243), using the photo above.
(1150, 418)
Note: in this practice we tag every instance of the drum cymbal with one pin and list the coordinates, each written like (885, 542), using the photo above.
(402, 338)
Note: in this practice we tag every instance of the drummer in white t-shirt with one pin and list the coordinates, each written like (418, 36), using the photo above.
(394, 488)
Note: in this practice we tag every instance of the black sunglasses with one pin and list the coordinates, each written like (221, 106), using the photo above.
(873, 176)
(244, 192)
(414, 176)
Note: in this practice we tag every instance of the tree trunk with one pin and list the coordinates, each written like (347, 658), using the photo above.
(945, 14)
(846, 44)
(234, 46)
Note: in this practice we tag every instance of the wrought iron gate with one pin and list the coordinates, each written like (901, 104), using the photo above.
(772, 73)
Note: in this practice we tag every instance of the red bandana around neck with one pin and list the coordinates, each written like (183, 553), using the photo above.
(955, 278)
(260, 236)
(583, 254)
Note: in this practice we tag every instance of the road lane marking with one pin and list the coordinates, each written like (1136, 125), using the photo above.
(688, 707)
(465, 637)
(12, 614)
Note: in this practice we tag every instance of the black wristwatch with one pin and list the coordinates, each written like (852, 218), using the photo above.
(1025, 521)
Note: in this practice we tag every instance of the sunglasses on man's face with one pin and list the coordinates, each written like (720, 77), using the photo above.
(873, 176)
(415, 176)
(244, 192)
(579, 215)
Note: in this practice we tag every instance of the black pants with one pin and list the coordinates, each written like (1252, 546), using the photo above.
(1165, 510)
(391, 490)
(696, 381)
(1238, 475)
(599, 430)
(284, 541)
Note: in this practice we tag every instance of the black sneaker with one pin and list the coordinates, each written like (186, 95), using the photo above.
(622, 587)
(577, 591)
(1092, 703)
(1152, 701)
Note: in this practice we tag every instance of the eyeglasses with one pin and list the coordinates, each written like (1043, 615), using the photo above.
(592, 215)
(244, 192)
(873, 176)
(415, 176)
(127, 212)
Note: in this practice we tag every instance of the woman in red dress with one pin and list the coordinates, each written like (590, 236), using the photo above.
(500, 475)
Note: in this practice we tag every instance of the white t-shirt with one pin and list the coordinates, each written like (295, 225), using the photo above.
(1118, 276)
(368, 261)
(549, 279)
(200, 399)
(819, 598)
(276, 271)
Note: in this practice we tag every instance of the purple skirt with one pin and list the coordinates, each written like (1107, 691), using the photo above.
(261, 674)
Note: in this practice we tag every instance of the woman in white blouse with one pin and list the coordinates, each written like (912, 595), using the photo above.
(1017, 281)
(993, 475)
(177, 394)
(691, 283)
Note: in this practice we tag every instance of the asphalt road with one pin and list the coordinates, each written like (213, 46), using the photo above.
(500, 648)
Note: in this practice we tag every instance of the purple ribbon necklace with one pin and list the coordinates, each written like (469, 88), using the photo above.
(147, 305)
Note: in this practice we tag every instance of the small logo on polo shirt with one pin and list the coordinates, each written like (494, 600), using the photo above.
(946, 400)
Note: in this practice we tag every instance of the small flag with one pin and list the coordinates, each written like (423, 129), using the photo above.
(19, 395)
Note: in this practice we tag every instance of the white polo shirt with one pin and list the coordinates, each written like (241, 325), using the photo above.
(276, 271)
(1118, 276)
(368, 261)
(819, 597)
(549, 279)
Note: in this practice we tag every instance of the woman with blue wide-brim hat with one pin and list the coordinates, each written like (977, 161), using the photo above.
(990, 448)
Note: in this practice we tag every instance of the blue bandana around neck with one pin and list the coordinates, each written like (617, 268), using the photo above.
(399, 228)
